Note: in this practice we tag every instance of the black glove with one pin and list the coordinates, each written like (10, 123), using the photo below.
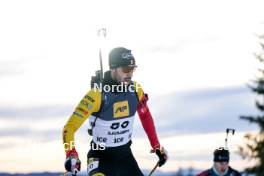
(162, 154)
(72, 163)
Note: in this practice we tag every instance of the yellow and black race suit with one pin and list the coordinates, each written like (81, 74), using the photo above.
(113, 114)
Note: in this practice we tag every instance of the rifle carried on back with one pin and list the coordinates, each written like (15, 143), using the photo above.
(99, 74)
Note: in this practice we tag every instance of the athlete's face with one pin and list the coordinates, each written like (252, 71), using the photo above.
(124, 74)
(221, 166)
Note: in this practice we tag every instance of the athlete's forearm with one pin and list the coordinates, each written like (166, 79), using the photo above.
(89, 104)
(69, 130)
(147, 122)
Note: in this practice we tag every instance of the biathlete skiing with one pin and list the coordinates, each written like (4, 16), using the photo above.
(110, 106)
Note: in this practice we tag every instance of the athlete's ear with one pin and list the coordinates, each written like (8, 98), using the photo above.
(113, 72)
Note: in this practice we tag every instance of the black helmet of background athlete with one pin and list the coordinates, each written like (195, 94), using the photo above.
(122, 62)
(221, 155)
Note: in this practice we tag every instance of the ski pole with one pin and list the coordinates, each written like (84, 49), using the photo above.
(153, 170)
(70, 174)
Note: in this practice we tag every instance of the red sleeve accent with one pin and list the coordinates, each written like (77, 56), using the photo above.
(72, 152)
(147, 122)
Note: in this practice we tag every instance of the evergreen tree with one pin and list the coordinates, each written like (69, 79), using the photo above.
(254, 146)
